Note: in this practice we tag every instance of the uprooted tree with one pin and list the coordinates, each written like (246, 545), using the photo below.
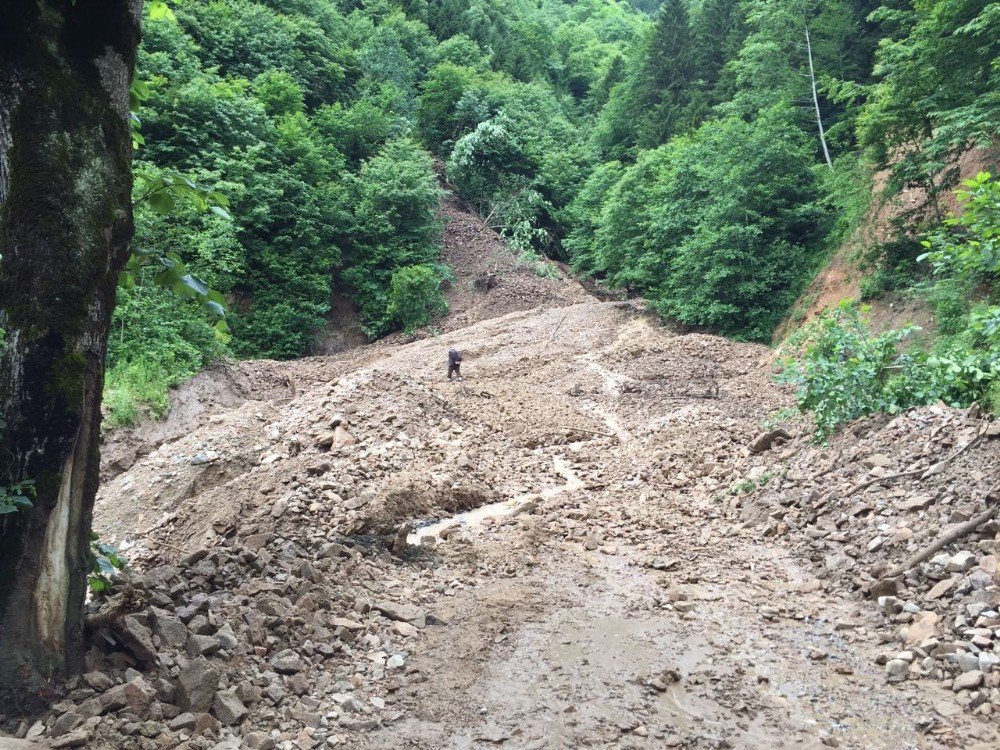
(65, 228)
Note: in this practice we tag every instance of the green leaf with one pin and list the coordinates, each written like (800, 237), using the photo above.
(162, 202)
(159, 10)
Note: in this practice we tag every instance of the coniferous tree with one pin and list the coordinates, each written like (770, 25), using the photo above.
(665, 80)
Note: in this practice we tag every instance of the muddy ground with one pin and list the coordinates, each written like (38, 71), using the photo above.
(599, 574)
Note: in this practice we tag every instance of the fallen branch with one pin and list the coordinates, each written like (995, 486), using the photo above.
(954, 535)
(914, 472)
(162, 543)
(877, 480)
(558, 326)
(115, 609)
(581, 429)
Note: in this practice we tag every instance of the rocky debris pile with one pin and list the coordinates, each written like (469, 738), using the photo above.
(266, 608)
(903, 511)
(276, 603)
(266, 640)
(491, 280)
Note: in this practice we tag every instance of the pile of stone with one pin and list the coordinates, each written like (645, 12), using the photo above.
(868, 508)
(261, 642)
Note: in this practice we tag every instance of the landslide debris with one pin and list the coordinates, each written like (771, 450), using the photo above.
(642, 486)
(863, 506)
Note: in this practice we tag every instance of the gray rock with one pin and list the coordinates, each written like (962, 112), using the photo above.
(200, 625)
(966, 662)
(135, 637)
(258, 741)
(287, 662)
(227, 638)
(98, 680)
(66, 723)
(947, 708)
(941, 588)
(76, 738)
(987, 662)
(402, 612)
(897, 669)
(968, 681)
(196, 685)
(228, 708)
(961, 562)
(112, 700)
(185, 720)
(914, 504)
(198, 645)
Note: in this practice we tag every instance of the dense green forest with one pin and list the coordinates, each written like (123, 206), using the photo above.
(705, 154)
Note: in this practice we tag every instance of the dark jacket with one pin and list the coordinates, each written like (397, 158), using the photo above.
(454, 357)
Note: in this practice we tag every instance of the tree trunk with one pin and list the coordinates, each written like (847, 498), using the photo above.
(819, 116)
(65, 226)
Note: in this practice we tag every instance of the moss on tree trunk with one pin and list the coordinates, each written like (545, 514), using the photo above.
(65, 226)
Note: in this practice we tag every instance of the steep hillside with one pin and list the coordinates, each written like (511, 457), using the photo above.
(859, 257)
(488, 280)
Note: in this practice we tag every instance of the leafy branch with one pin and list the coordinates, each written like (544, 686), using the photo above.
(104, 561)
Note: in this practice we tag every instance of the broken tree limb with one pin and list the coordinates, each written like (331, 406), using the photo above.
(114, 610)
(943, 541)
(558, 326)
(168, 545)
(917, 472)
(584, 429)
(889, 478)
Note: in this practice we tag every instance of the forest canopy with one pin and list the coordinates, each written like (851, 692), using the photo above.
(706, 154)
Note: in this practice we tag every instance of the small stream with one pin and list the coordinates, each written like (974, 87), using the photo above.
(474, 518)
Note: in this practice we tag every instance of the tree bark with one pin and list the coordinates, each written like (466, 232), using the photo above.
(65, 227)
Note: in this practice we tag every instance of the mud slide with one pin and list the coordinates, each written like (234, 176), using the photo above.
(594, 540)
(603, 552)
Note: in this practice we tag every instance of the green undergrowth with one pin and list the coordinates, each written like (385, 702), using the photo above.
(844, 369)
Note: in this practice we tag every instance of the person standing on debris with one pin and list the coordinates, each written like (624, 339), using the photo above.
(454, 363)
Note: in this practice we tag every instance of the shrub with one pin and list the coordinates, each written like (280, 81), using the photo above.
(415, 296)
(842, 370)
(156, 343)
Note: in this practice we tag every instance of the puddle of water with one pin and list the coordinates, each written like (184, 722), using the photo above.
(474, 518)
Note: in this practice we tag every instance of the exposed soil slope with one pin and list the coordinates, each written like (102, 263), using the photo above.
(841, 278)
(489, 279)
